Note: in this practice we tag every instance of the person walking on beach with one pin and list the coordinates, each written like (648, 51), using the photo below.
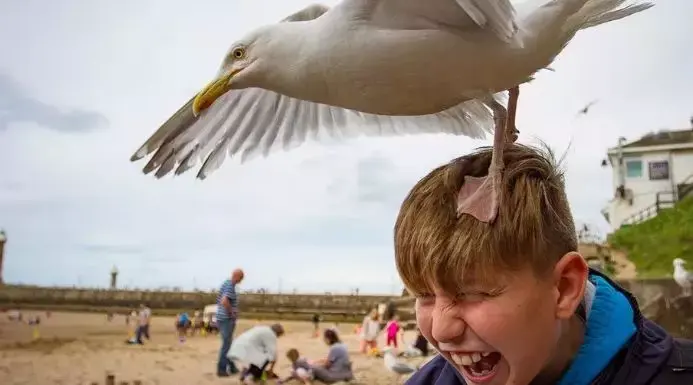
(227, 314)
(145, 319)
(316, 325)
(142, 328)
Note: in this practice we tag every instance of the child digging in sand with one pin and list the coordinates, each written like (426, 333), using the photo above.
(300, 368)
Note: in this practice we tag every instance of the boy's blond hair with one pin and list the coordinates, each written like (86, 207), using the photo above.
(534, 227)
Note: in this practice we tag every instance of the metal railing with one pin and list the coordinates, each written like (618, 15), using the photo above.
(653, 210)
(684, 188)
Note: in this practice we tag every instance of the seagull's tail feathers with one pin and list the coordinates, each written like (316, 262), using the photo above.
(596, 12)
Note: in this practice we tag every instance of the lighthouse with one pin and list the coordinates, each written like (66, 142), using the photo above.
(114, 278)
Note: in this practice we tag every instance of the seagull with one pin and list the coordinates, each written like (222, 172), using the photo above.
(399, 368)
(586, 109)
(376, 68)
(683, 277)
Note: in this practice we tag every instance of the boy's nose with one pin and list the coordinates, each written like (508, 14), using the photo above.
(447, 325)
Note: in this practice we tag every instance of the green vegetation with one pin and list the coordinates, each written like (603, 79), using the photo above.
(653, 244)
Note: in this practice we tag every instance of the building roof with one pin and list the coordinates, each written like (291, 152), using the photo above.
(663, 138)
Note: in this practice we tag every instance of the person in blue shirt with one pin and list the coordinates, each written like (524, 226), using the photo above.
(182, 325)
(227, 314)
(511, 302)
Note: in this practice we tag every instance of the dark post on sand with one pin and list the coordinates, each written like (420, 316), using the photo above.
(110, 379)
(3, 240)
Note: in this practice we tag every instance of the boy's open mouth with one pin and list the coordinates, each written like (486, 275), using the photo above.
(479, 367)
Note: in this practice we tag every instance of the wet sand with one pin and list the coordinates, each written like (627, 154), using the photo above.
(77, 348)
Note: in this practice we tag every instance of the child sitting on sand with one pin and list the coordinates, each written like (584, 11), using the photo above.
(300, 368)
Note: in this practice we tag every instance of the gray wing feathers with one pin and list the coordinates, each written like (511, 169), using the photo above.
(497, 15)
(310, 12)
(254, 122)
(178, 122)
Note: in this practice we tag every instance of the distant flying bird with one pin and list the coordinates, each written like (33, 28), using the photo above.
(378, 68)
(683, 277)
(586, 109)
(398, 368)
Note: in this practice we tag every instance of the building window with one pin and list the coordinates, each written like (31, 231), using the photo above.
(659, 170)
(634, 168)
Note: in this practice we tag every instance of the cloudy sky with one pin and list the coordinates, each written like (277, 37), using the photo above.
(84, 82)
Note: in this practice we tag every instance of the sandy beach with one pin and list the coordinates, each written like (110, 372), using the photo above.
(77, 348)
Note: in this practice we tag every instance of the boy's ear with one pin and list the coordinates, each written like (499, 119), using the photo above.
(570, 278)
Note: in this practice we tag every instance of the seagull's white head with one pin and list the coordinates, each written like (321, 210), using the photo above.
(243, 65)
(678, 262)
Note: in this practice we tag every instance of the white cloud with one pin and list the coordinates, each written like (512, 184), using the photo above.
(319, 217)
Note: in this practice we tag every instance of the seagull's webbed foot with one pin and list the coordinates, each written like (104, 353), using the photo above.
(480, 196)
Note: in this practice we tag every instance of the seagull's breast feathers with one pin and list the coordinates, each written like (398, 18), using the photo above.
(683, 277)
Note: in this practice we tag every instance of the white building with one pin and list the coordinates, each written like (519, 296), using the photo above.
(649, 174)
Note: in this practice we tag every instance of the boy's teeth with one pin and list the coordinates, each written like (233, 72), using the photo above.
(482, 373)
(467, 359)
(485, 354)
(461, 359)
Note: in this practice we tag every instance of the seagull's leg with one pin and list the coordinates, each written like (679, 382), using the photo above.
(480, 196)
(511, 130)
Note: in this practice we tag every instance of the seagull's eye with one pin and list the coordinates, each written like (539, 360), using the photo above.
(238, 53)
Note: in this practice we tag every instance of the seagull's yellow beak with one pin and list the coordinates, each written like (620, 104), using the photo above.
(212, 92)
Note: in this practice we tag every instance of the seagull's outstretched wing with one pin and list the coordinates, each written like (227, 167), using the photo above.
(254, 121)
(498, 16)
(310, 12)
